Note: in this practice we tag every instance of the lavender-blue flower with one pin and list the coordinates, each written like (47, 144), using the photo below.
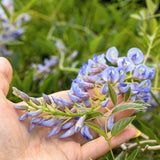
(135, 55)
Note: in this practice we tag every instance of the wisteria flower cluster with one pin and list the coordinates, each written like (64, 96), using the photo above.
(48, 66)
(10, 31)
(105, 74)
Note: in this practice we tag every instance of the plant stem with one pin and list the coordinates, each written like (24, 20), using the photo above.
(62, 58)
(149, 48)
(155, 98)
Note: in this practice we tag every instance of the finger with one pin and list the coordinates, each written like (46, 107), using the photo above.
(99, 146)
(5, 75)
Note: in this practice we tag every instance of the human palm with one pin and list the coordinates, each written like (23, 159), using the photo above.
(16, 143)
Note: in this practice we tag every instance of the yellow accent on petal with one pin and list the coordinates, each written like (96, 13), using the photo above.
(112, 55)
(138, 133)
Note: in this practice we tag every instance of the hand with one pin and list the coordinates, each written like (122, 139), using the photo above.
(16, 143)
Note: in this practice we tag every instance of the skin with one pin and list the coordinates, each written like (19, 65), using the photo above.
(16, 143)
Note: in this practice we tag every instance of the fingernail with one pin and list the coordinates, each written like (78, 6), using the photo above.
(138, 133)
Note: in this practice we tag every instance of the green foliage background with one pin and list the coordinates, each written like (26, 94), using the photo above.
(89, 27)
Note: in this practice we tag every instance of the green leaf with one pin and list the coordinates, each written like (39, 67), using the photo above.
(119, 126)
(141, 102)
(135, 16)
(5, 10)
(112, 94)
(94, 115)
(95, 43)
(151, 6)
(153, 26)
(133, 155)
(127, 95)
(128, 106)
(96, 128)
(27, 82)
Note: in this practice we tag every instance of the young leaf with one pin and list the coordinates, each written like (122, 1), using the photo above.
(133, 155)
(151, 6)
(128, 106)
(112, 94)
(94, 115)
(96, 128)
(127, 95)
(141, 102)
(119, 126)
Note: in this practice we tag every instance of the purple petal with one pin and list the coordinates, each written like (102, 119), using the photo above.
(54, 131)
(110, 122)
(68, 133)
(85, 133)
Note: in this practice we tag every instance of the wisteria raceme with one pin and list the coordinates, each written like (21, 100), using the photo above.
(10, 31)
(71, 114)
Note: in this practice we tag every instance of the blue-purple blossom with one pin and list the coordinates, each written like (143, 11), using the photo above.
(33, 125)
(122, 87)
(79, 124)
(110, 122)
(126, 63)
(87, 103)
(60, 45)
(35, 113)
(69, 124)
(112, 55)
(85, 133)
(49, 122)
(35, 101)
(74, 98)
(24, 96)
(66, 102)
(145, 86)
(151, 73)
(46, 99)
(24, 116)
(72, 55)
(122, 74)
(140, 72)
(110, 75)
(68, 133)
(54, 131)
(36, 120)
(135, 55)
(104, 89)
(11, 30)
(21, 107)
(104, 103)
(78, 91)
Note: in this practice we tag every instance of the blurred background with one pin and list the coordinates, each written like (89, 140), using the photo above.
(47, 41)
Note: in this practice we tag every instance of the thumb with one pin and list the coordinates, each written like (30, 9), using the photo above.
(5, 75)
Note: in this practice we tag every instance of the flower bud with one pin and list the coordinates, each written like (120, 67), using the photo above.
(33, 125)
(66, 102)
(49, 122)
(68, 124)
(35, 101)
(46, 99)
(35, 113)
(68, 133)
(54, 131)
(79, 124)
(24, 96)
(74, 98)
(21, 107)
(104, 89)
(104, 103)
(24, 116)
(110, 122)
(85, 133)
